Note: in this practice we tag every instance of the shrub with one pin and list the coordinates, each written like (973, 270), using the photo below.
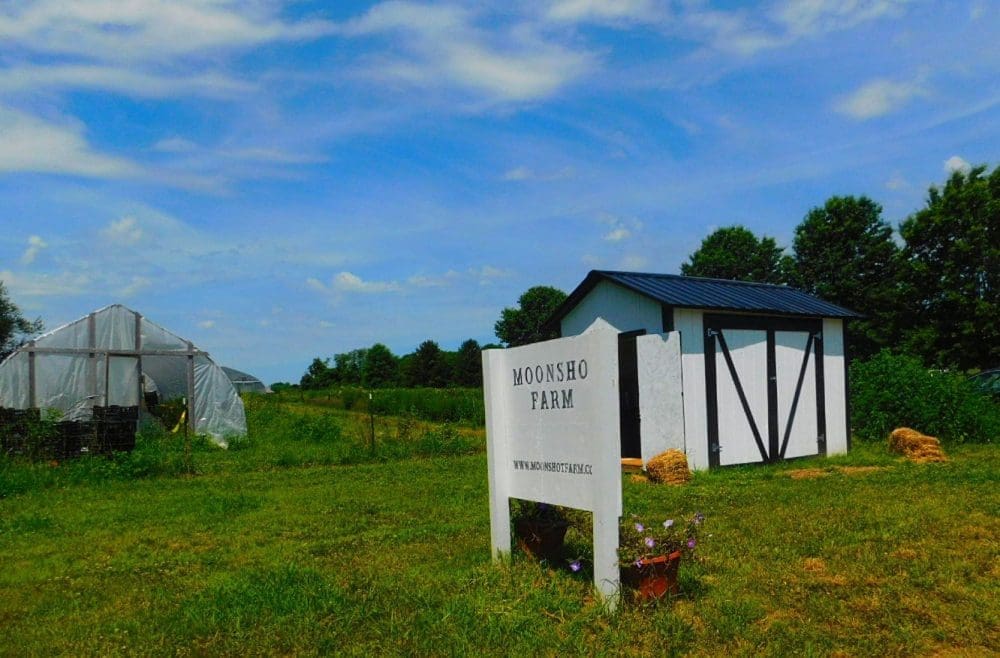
(890, 391)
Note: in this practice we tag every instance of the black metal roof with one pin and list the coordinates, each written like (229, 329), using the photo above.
(711, 294)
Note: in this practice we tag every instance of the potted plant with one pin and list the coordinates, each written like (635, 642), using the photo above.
(540, 529)
(650, 552)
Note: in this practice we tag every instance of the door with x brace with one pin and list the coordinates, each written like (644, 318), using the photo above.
(764, 388)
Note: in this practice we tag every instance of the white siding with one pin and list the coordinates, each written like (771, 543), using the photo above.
(835, 386)
(688, 322)
(661, 395)
(623, 309)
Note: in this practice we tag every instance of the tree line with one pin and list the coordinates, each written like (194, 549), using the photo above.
(377, 367)
(930, 289)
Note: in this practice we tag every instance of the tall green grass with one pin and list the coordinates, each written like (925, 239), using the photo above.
(438, 405)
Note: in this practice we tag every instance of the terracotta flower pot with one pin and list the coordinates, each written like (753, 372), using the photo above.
(653, 577)
(541, 539)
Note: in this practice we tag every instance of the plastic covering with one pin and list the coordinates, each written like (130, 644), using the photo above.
(100, 360)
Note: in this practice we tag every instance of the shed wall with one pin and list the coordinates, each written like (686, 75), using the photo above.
(834, 378)
(624, 309)
(689, 323)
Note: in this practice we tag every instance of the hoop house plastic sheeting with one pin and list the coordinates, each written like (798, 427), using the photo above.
(99, 360)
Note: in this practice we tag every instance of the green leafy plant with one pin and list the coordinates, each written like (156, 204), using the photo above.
(642, 539)
(891, 390)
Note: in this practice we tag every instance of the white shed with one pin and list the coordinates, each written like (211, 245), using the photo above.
(727, 371)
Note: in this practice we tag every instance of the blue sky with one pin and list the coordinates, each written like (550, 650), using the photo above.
(278, 180)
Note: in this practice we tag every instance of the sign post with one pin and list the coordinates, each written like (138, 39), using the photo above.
(552, 435)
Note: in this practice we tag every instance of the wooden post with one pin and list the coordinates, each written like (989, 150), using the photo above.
(190, 387)
(371, 417)
(138, 359)
(32, 401)
(92, 358)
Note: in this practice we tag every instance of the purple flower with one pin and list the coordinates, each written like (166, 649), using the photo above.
(668, 523)
(650, 542)
(638, 563)
(692, 543)
(574, 566)
(698, 518)
(639, 527)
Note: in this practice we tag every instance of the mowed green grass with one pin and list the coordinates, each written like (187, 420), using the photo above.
(284, 556)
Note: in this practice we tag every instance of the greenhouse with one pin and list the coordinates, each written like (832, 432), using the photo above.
(116, 357)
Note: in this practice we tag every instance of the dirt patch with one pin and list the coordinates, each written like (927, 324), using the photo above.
(808, 473)
(814, 565)
(860, 470)
(905, 554)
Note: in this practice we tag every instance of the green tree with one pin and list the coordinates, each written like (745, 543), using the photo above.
(349, 367)
(734, 252)
(845, 254)
(318, 375)
(428, 367)
(468, 369)
(14, 327)
(381, 367)
(525, 324)
(952, 273)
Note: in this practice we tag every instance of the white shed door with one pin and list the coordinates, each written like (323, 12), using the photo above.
(764, 381)
(740, 431)
(798, 426)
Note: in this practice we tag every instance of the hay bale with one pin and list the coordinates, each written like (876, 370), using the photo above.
(670, 467)
(915, 446)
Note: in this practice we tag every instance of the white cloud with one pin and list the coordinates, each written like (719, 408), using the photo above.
(809, 17)
(207, 324)
(130, 82)
(518, 174)
(31, 144)
(442, 46)
(149, 30)
(601, 10)
(957, 163)
(349, 282)
(135, 286)
(125, 231)
(877, 98)
(45, 285)
(617, 235)
(621, 228)
(35, 245)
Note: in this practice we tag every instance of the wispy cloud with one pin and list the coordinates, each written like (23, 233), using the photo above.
(879, 97)
(35, 246)
(121, 80)
(45, 284)
(957, 163)
(125, 231)
(147, 30)
(444, 46)
(32, 144)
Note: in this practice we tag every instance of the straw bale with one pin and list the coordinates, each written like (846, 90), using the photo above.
(915, 446)
(670, 467)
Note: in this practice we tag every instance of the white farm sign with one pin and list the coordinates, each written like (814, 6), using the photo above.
(552, 434)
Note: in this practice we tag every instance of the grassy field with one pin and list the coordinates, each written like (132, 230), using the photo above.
(302, 541)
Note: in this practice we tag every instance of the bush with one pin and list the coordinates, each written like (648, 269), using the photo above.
(890, 391)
